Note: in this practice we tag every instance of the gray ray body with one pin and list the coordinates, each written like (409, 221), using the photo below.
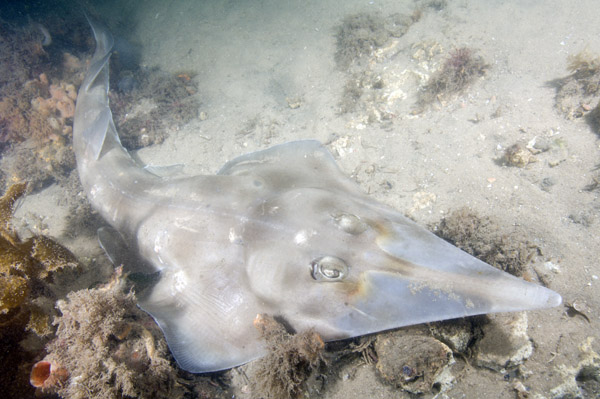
(280, 231)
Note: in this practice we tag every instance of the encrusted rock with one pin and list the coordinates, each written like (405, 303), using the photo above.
(582, 380)
(415, 362)
(505, 342)
(457, 334)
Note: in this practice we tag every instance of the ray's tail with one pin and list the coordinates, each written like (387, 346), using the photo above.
(94, 130)
(113, 181)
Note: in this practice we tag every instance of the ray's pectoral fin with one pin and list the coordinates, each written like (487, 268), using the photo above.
(205, 332)
(119, 253)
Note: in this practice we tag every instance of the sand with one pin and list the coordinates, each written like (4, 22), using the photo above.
(255, 61)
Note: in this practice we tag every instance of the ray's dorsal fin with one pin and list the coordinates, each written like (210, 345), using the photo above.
(296, 164)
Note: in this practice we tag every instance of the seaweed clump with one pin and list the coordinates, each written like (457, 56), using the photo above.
(460, 69)
(105, 347)
(27, 271)
(24, 265)
(482, 238)
(283, 372)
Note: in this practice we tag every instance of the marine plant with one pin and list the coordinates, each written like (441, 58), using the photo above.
(24, 263)
(460, 69)
(27, 268)
(105, 347)
(290, 361)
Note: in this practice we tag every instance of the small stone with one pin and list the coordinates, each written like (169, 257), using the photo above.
(538, 144)
(505, 342)
(547, 183)
(294, 102)
(519, 156)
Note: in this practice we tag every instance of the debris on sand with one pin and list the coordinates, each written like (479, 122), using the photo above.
(360, 34)
(577, 93)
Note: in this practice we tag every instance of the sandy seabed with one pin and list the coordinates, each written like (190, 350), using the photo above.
(267, 74)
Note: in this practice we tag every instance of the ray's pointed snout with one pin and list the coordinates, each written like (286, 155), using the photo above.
(417, 277)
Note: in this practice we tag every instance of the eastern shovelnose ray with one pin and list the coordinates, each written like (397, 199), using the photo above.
(280, 232)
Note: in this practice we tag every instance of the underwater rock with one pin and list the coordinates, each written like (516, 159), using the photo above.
(583, 380)
(360, 34)
(59, 106)
(37, 92)
(505, 343)
(149, 103)
(53, 104)
(414, 361)
(594, 118)
(127, 83)
(38, 120)
(457, 333)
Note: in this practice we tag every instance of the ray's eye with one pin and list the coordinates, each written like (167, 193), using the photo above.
(328, 268)
(350, 223)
